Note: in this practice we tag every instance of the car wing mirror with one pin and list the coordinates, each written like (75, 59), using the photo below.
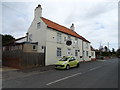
(70, 60)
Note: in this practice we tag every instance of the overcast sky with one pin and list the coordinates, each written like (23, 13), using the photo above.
(96, 20)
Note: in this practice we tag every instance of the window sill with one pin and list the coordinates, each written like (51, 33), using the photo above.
(59, 42)
(59, 56)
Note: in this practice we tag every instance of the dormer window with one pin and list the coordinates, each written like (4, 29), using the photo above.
(38, 25)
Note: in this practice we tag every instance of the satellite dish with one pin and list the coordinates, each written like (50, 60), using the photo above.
(68, 43)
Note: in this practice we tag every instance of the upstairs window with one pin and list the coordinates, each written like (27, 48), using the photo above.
(38, 25)
(69, 37)
(59, 38)
(76, 41)
(65, 39)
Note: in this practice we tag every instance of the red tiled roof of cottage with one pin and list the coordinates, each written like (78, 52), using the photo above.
(61, 28)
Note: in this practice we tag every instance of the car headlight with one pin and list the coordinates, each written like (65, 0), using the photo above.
(64, 62)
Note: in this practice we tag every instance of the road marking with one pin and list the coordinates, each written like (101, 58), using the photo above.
(63, 78)
(102, 60)
(95, 68)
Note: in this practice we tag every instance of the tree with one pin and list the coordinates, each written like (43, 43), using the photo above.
(106, 49)
(7, 38)
(113, 51)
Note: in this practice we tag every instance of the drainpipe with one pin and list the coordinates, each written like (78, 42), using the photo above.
(27, 36)
(82, 51)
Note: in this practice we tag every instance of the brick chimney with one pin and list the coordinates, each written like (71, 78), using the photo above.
(38, 11)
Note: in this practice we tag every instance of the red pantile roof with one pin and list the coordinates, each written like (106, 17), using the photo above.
(61, 28)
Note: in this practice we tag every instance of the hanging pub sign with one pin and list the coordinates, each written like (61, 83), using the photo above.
(68, 43)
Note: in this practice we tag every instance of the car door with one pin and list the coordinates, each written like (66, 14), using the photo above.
(75, 61)
(71, 62)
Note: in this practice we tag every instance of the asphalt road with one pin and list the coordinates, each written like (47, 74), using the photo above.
(95, 74)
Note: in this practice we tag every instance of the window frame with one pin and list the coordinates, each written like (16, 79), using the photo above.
(35, 47)
(76, 53)
(87, 54)
(76, 41)
(59, 38)
(69, 38)
(59, 52)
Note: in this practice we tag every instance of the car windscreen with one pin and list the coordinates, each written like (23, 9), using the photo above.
(64, 59)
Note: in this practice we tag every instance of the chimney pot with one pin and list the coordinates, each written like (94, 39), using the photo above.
(72, 27)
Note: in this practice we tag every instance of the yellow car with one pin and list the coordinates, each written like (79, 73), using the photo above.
(67, 62)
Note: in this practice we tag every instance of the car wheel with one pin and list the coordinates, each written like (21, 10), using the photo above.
(77, 65)
(67, 67)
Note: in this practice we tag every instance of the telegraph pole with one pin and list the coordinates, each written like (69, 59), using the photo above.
(108, 45)
(100, 47)
(108, 49)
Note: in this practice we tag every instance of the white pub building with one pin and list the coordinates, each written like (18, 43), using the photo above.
(56, 40)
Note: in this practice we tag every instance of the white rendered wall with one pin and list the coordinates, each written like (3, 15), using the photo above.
(51, 44)
(38, 35)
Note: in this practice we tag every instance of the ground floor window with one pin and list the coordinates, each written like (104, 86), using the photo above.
(58, 52)
(86, 53)
(34, 47)
(76, 52)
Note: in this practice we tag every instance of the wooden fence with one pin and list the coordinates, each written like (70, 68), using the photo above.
(21, 60)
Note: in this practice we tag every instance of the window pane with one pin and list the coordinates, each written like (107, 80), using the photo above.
(59, 38)
(86, 53)
(58, 51)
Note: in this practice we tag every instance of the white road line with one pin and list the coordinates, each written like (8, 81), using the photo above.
(95, 68)
(63, 78)
(102, 60)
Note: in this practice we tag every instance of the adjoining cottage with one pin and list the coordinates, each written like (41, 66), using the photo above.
(22, 54)
(93, 54)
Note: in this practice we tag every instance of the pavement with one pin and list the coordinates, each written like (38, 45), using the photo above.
(9, 73)
(95, 74)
